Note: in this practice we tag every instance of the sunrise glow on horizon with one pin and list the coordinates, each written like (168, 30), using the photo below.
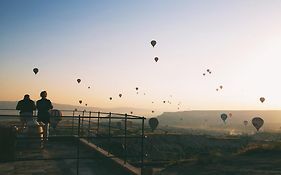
(107, 45)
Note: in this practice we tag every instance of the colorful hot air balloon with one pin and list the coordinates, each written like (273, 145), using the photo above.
(245, 122)
(35, 70)
(80, 101)
(153, 43)
(262, 99)
(223, 117)
(78, 80)
(55, 117)
(156, 59)
(153, 123)
(257, 122)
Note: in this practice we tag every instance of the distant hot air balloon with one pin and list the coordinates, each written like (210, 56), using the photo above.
(131, 112)
(86, 104)
(221, 86)
(110, 98)
(257, 122)
(35, 70)
(152, 102)
(223, 117)
(208, 70)
(75, 109)
(204, 74)
(262, 99)
(137, 88)
(164, 101)
(245, 122)
(156, 59)
(153, 43)
(217, 89)
(153, 123)
(80, 101)
(152, 111)
(120, 95)
(89, 87)
(78, 80)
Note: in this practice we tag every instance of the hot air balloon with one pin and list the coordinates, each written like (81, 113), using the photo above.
(131, 112)
(153, 123)
(217, 89)
(120, 95)
(208, 70)
(245, 122)
(262, 99)
(80, 101)
(221, 86)
(78, 80)
(204, 74)
(110, 98)
(137, 88)
(156, 59)
(164, 101)
(55, 117)
(152, 111)
(257, 122)
(35, 70)
(223, 117)
(153, 43)
(86, 104)
(89, 87)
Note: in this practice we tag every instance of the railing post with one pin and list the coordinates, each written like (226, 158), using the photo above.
(78, 147)
(98, 127)
(125, 140)
(142, 144)
(109, 132)
(89, 125)
(82, 125)
(73, 113)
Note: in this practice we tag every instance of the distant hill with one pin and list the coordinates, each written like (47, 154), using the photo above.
(136, 111)
(272, 118)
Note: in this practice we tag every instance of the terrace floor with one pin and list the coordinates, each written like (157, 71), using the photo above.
(61, 152)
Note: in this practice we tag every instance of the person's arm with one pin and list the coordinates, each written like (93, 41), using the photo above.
(51, 105)
(18, 106)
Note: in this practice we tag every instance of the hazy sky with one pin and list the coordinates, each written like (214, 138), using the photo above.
(107, 45)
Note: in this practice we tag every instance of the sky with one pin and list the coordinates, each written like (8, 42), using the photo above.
(107, 45)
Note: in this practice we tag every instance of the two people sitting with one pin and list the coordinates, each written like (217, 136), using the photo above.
(27, 106)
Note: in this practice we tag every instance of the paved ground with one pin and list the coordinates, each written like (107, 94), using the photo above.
(31, 160)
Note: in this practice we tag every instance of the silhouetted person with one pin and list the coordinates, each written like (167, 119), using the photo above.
(43, 106)
(26, 107)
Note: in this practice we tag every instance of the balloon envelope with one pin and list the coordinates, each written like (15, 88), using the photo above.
(153, 43)
(137, 88)
(35, 70)
(262, 99)
(223, 117)
(80, 101)
(156, 59)
(153, 123)
(120, 95)
(221, 87)
(110, 98)
(78, 80)
(257, 122)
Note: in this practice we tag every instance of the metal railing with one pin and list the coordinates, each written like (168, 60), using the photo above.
(111, 132)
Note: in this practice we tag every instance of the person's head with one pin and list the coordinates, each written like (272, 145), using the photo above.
(26, 97)
(43, 94)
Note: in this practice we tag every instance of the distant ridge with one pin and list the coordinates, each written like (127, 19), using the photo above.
(136, 111)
